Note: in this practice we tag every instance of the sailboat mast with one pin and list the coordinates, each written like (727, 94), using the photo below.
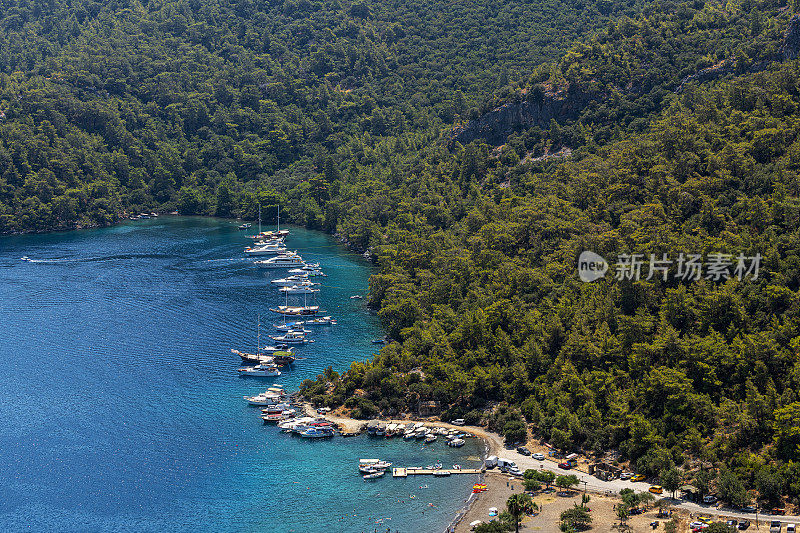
(279, 218)
(259, 219)
(258, 337)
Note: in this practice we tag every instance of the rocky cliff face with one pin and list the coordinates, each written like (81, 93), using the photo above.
(496, 125)
(791, 39)
(501, 122)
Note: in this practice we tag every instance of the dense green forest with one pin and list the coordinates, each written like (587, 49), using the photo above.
(347, 114)
(113, 108)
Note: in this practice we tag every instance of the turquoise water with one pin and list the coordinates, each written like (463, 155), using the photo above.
(121, 408)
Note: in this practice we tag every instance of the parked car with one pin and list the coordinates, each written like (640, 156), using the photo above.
(748, 509)
(790, 528)
(709, 499)
(779, 510)
(775, 526)
(565, 466)
(626, 475)
(538, 456)
(732, 523)
(639, 477)
(697, 526)
(656, 489)
(523, 450)
(514, 471)
(744, 524)
(457, 422)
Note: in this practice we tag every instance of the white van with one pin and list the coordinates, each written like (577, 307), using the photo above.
(506, 464)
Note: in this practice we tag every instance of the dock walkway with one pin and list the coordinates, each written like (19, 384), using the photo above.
(405, 472)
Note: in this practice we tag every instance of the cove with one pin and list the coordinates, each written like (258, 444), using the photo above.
(122, 409)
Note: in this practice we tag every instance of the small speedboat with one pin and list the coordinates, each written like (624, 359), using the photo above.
(375, 475)
(356, 297)
(456, 443)
(245, 226)
(430, 438)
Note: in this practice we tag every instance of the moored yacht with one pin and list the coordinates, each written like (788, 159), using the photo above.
(260, 370)
(266, 248)
(292, 326)
(305, 288)
(296, 310)
(287, 260)
(290, 280)
(320, 321)
(291, 337)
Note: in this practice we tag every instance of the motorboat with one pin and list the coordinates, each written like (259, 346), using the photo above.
(296, 310)
(320, 321)
(430, 437)
(290, 281)
(408, 435)
(456, 443)
(305, 288)
(263, 400)
(260, 370)
(246, 225)
(317, 432)
(286, 260)
(309, 273)
(291, 337)
(375, 475)
(277, 408)
(267, 248)
(292, 326)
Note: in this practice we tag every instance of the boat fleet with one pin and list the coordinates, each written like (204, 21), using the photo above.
(267, 361)
(417, 431)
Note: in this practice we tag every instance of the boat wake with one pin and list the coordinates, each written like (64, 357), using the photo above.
(119, 257)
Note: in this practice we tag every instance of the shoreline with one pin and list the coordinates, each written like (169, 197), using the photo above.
(492, 445)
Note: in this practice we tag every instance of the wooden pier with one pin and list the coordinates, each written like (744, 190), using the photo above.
(405, 472)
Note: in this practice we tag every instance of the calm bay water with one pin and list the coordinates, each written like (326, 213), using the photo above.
(121, 409)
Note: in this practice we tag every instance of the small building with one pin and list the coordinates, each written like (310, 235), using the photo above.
(604, 471)
(429, 408)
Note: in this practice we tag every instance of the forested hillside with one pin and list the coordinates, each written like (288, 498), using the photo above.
(111, 108)
(675, 127)
(478, 248)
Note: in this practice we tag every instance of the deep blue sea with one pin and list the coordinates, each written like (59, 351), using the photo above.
(121, 408)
